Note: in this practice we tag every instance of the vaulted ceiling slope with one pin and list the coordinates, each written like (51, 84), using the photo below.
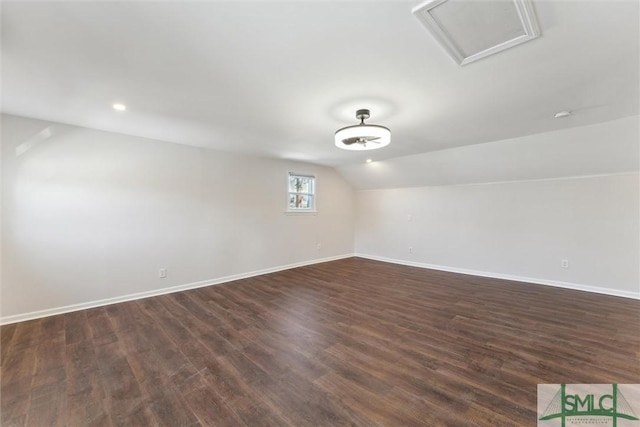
(611, 148)
(278, 78)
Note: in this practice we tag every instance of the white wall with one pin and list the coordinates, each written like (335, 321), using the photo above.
(519, 230)
(91, 215)
(573, 194)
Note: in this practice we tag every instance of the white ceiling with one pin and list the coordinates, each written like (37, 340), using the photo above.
(278, 78)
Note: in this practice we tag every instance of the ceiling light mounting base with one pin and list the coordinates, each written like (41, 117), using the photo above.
(362, 115)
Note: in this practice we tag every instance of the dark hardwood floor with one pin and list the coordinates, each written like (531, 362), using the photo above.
(350, 342)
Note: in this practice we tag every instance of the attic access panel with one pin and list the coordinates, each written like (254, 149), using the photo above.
(470, 30)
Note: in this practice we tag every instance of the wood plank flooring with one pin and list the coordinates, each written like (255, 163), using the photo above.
(346, 343)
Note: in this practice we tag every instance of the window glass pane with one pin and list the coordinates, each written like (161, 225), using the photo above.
(293, 180)
(300, 184)
(300, 201)
(307, 185)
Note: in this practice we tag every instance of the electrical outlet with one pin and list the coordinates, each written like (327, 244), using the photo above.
(318, 246)
(564, 263)
(409, 217)
(410, 249)
(162, 273)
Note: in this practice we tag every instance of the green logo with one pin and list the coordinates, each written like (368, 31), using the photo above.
(583, 404)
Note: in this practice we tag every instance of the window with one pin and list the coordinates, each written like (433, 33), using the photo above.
(301, 193)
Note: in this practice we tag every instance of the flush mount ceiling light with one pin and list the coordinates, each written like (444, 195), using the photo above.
(119, 107)
(363, 136)
(472, 30)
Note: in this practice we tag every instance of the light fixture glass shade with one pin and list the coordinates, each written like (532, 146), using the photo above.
(369, 137)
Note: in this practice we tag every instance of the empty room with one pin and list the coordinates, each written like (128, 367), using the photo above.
(320, 213)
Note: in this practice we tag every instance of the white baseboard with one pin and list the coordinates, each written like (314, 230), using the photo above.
(99, 303)
(558, 284)
(108, 301)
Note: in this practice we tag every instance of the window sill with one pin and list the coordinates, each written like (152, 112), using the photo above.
(301, 213)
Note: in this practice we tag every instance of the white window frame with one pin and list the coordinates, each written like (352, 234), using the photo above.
(313, 194)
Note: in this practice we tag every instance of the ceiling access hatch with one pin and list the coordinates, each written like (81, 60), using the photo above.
(470, 30)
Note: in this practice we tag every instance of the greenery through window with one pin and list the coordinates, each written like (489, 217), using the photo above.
(302, 192)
